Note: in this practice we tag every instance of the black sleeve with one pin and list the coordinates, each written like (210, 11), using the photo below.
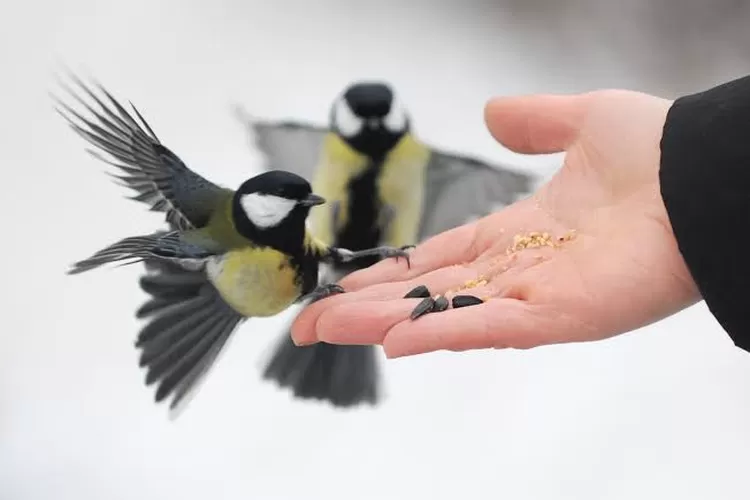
(705, 185)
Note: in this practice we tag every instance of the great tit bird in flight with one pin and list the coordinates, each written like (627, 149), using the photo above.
(227, 256)
(385, 187)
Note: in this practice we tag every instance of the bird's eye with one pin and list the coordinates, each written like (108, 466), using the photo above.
(347, 123)
(395, 120)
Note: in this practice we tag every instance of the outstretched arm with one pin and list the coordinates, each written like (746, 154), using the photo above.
(705, 184)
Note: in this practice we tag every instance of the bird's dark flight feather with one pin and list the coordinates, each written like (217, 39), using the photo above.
(157, 175)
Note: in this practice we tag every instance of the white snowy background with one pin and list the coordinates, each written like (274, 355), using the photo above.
(663, 412)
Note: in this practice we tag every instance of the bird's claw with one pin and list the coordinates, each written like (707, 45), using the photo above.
(391, 252)
(323, 292)
(384, 252)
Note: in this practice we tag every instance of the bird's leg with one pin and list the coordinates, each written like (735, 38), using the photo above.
(343, 255)
(323, 291)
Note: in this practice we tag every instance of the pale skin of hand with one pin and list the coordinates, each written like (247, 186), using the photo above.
(621, 271)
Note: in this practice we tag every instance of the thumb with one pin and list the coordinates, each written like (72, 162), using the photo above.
(536, 124)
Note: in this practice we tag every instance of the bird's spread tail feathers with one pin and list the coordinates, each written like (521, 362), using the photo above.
(340, 374)
(187, 321)
(188, 325)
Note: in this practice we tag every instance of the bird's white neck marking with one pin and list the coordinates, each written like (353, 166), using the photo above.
(266, 210)
(395, 120)
(347, 123)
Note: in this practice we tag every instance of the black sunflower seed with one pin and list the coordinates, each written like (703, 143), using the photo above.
(418, 293)
(441, 304)
(423, 308)
(466, 300)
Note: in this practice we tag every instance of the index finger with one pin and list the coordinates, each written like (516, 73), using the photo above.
(455, 246)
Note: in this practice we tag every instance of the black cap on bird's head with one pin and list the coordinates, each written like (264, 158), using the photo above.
(369, 117)
(271, 208)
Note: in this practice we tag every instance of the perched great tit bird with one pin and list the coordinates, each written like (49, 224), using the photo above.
(227, 256)
(385, 187)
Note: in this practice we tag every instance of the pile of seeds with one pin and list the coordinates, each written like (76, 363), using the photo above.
(521, 242)
(439, 303)
(537, 240)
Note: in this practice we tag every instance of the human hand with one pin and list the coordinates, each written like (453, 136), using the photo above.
(621, 270)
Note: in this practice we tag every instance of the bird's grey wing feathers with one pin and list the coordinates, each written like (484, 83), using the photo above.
(187, 326)
(159, 246)
(287, 145)
(158, 176)
(459, 188)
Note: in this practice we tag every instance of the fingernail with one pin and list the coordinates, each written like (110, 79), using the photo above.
(303, 343)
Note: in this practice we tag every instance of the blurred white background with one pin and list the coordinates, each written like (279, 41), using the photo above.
(658, 413)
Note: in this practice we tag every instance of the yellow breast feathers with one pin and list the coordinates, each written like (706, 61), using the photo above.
(337, 165)
(256, 282)
(400, 186)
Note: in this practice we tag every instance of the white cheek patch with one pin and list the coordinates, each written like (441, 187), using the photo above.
(395, 120)
(265, 210)
(347, 123)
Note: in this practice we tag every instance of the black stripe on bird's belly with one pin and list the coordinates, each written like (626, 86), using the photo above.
(362, 230)
(306, 267)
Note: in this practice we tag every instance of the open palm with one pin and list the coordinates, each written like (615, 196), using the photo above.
(590, 255)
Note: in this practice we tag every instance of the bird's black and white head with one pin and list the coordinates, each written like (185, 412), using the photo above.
(271, 209)
(369, 117)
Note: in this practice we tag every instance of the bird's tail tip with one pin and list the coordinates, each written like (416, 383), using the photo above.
(341, 375)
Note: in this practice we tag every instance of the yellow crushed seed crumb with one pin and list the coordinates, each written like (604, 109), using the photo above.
(480, 281)
(476, 282)
(536, 239)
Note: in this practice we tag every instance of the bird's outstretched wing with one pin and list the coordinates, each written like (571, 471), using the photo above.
(160, 246)
(287, 145)
(155, 173)
(459, 188)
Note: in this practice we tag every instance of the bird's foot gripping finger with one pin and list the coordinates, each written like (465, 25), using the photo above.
(390, 252)
(323, 291)
(384, 252)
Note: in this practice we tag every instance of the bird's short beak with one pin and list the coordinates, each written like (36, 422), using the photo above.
(312, 200)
